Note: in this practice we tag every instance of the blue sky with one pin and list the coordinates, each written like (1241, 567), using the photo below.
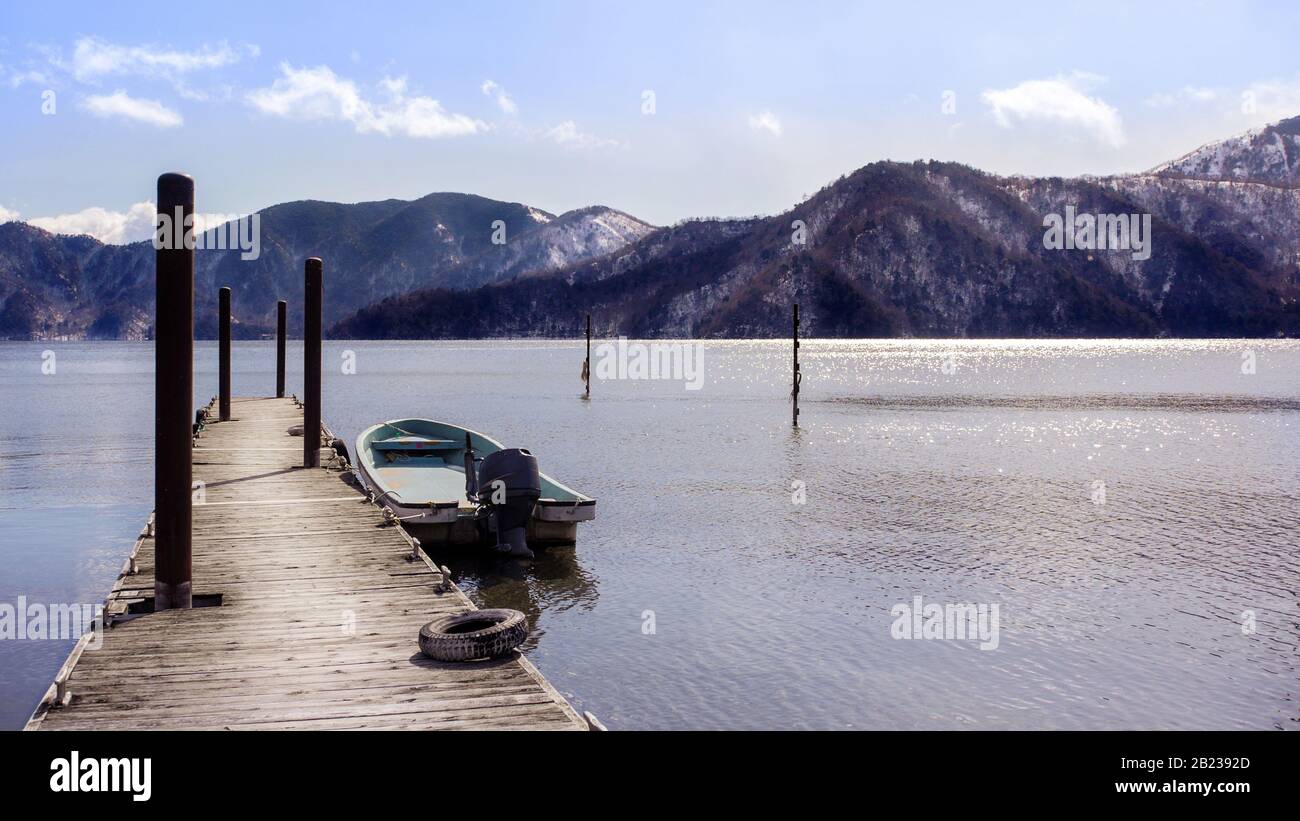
(754, 104)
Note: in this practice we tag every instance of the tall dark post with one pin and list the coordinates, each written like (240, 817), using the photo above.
(281, 311)
(798, 377)
(586, 366)
(311, 366)
(173, 393)
(223, 354)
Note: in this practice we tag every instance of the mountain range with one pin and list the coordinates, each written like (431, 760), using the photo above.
(925, 249)
(55, 286)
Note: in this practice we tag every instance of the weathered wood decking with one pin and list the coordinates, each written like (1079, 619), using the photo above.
(318, 622)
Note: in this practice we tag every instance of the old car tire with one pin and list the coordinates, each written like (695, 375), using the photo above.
(478, 634)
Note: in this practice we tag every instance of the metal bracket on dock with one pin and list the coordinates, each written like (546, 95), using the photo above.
(131, 568)
(415, 544)
(61, 695)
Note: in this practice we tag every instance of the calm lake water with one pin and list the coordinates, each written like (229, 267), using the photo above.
(1132, 508)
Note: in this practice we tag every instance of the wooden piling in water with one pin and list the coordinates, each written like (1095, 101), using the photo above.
(281, 317)
(797, 375)
(173, 396)
(586, 366)
(223, 355)
(313, 274)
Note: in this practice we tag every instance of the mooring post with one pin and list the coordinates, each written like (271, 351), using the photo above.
(311, 365)
(223, 354)
(281, 316)
(586, 365)
(798, 377)
(173, 394)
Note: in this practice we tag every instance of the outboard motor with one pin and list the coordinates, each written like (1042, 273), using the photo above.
(510, 485)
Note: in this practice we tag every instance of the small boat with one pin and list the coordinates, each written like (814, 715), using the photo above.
(449, 485)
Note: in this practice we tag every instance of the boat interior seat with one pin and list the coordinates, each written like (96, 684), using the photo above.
(423, 458)
(416, 443)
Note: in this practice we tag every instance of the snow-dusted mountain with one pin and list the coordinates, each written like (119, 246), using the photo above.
(573, 236)
(54, 285)
(930, 249)
(1268, 155)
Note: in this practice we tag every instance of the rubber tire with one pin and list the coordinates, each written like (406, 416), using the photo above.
(508, 630)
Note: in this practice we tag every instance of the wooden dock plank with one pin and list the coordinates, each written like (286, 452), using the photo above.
(321, 605)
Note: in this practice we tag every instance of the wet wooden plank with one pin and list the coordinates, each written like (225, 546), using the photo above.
(317, 630)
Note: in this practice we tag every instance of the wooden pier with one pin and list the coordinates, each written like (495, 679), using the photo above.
(319, 607)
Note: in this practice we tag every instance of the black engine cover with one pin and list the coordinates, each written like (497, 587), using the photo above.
(514, 466)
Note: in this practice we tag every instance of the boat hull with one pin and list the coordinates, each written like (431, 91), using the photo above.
(548, 526)
(466, 533)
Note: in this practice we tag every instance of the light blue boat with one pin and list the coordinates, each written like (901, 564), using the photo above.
(416, 468)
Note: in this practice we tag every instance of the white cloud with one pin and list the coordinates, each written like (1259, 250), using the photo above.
(568, 134)
(1268, 101)
(120, 104)
(93, 58)
(1184, 95)
(137, 223)
(116, 227)
(18, 78)
(1263, 101)
(766, 121)
(6, 215)
(319, 94)
(1059, 101)
(504, 101)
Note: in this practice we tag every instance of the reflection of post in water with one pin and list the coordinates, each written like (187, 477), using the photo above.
(797, 375)
(586, 363)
